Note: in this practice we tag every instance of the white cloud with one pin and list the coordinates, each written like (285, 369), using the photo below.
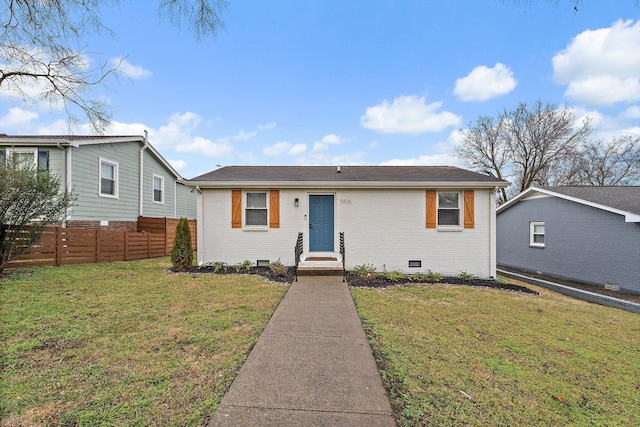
(484, 83)
(245, 136)
(280, 148)
(177, 135)
(601, 66)
(632, 112)
(408, 114)
(298, 149)
(17, 118)
(178, 165)
(326, 141)
(277, 149)
(134, 72)
(205, 146)
(426, 160)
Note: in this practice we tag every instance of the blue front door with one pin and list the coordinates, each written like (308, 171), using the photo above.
(321, 223)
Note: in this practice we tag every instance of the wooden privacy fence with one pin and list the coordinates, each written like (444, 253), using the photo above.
(61, 246)
(167, 226)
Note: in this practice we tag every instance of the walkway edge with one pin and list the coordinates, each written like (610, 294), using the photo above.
(576, 293)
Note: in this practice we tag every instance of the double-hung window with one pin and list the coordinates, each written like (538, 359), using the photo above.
(158, 189)
(536, 234)
(108, 178)
(23, 157)
(448, 208)
(256, 209)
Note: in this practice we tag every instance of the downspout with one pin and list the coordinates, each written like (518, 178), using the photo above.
(492, 236)
(67, 171)
(141, 182)
(199, 224)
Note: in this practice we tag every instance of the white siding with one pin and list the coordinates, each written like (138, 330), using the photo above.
(385, 228)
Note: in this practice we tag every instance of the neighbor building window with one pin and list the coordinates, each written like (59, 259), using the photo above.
(108, 178)
(23, 157)
(158, 189)
(448, 208)
(536, 230)
(256, 209)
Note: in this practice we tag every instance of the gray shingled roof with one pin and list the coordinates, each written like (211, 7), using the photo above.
(347, 174)
(622, 198)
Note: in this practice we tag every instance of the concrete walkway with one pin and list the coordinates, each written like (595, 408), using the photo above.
(312, 366)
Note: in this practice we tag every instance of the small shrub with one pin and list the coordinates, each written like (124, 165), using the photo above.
(219, 265)
(244, 265)
(419, 277)
(278, 268)
(182, 251)
(434, 277)
(395, 276)
(467, 277)
(365, 271)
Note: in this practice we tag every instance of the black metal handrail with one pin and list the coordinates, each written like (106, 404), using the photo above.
(342, 252)
(298, 252)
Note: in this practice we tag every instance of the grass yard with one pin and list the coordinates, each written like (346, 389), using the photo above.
(124, 343)
(456, 355)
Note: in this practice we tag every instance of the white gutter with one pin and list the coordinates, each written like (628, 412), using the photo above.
(343, 184)
(141, 183)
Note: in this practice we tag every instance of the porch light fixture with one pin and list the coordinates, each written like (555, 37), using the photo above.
(296, 202)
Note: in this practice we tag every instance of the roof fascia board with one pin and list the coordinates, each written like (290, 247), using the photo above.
(108, 140)
(628, 216)
(36, 141)
(343, 184)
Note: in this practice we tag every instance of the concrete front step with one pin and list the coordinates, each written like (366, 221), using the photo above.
(319, 271)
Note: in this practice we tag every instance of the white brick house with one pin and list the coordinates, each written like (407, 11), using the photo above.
(409, 218)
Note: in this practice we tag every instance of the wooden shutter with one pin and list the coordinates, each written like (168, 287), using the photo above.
(431, 209)
(468, 208)
(236, 208)
(274, 208)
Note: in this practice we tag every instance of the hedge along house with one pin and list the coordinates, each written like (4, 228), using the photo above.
(410, 219)
(585, 234)
(116, 178)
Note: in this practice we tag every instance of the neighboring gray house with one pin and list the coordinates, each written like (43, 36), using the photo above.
(116, 178)
(585, 234)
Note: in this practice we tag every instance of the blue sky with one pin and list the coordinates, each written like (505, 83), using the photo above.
(292, 82)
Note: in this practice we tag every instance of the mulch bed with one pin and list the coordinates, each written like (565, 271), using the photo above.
(358, 281)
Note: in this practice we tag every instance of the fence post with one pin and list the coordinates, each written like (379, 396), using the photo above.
(58, 254)
(97, 245)
(126, 246)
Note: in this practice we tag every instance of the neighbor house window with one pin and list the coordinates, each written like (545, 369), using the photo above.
(108, 178)
(448, 208)
(256, 209)
(158, 189)
(536, 230)
(23, 157)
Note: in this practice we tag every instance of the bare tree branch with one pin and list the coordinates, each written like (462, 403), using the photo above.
(42, 57)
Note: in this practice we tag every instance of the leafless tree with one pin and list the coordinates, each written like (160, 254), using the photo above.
(614, 163)
(43, 58)
(485, 148)
(531, 144)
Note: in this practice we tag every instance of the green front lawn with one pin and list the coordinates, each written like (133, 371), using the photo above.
(124, 343)
(456, 355)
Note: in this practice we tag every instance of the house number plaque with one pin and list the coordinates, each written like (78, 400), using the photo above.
(345, 201)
